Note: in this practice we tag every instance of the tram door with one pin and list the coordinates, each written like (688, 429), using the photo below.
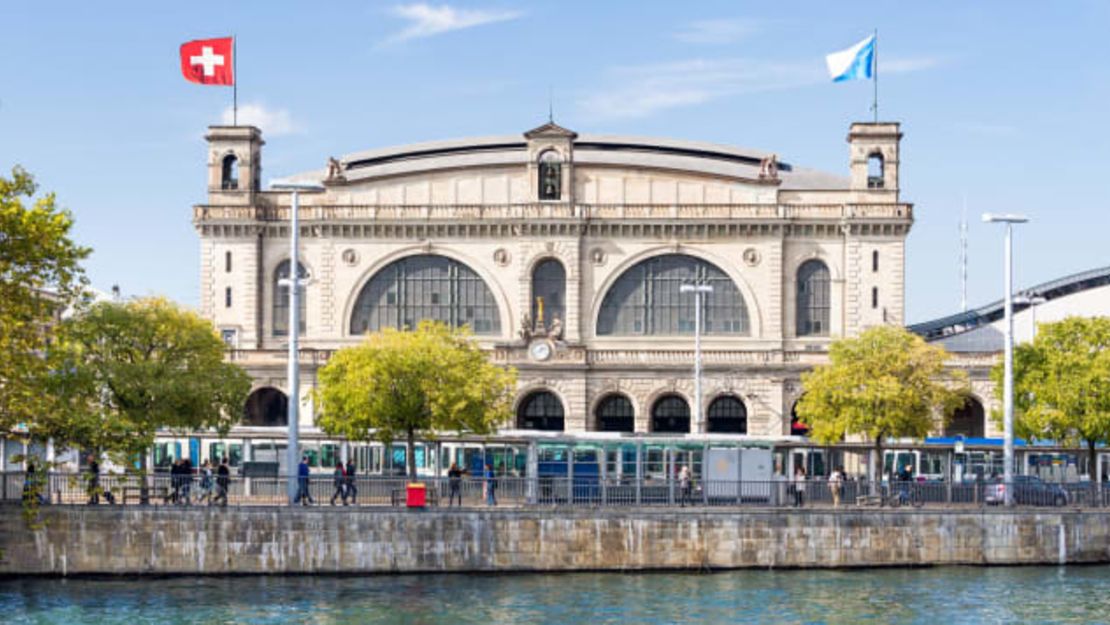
(813, 460)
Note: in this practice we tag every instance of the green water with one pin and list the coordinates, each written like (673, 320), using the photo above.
(936, 596)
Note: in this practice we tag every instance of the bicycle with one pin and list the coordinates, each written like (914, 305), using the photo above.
(906, 494)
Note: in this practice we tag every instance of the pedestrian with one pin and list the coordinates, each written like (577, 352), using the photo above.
(352, 488)
(685, 485)
(836, 482)
(491, 486)
(30, 486)
(186, 480)
(205, 483)
(905, 476)
(303, 496)
(339, 479)
(223, 482)
(94, 481)
(454, 481)
(799, 486)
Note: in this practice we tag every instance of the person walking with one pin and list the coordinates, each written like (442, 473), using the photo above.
(205, 483)
(303, 496)
(186, 480)
(223, 482)
(339, 479)
(685, 486)
(491, 486)
(454, 483)
(799, 486)
(94, 481)
(352, 488)
(836, 482)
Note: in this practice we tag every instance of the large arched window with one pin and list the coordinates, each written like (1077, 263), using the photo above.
(229, 173)
(549, 286)
(670, 414)
(813, 299)
(541, 410)
(280, 320)
(416, 288)
(266, 407)
(646, 300)
(967, 421)
(727, 415)
(615, 414)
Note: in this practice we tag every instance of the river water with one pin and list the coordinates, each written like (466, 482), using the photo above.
(944, 596)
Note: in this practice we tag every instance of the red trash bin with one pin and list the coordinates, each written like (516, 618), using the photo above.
(416, 495)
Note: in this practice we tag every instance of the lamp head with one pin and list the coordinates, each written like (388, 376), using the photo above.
(1005, 218)
(294, 185)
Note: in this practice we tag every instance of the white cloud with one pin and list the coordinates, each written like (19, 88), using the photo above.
(643, 90)
(717, 31)
(427, 20)
(273, 122)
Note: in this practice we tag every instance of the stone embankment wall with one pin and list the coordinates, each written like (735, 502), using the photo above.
(115, 540)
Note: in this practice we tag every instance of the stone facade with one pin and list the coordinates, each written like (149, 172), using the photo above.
(613, 202)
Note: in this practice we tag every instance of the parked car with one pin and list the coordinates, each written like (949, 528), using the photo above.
(1029, 490)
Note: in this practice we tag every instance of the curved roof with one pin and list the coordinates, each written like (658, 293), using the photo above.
(589, 149)
(960, 323)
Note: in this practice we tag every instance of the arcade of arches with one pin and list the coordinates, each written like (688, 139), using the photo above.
(266, 407)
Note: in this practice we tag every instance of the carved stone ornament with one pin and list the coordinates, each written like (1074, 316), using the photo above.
(597, 255)
(335, 171)
(769, 168)
(350, 257)
(751, 257)
(501, 256)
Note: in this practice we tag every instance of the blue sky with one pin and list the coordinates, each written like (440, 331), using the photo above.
(1002, 102)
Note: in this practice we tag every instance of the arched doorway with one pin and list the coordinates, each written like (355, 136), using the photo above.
(615, 414)
(540, 410)
(968, 420)
(727, 415)
(266, 407)
(670, 414)
(797, 428)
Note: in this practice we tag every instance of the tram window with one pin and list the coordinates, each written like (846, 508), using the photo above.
(216, 452)
(894, 462)
(313, 456)
(163, 456)
(653, 462)
(329, 455)
(932, 464)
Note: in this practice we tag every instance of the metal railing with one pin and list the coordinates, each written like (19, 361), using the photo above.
(584, 491)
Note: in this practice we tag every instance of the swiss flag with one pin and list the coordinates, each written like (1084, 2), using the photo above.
(209, 61)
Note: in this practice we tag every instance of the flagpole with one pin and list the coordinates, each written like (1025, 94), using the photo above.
(234, 83)
(875, 62)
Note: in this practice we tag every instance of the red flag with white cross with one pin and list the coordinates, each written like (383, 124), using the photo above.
(209, 61)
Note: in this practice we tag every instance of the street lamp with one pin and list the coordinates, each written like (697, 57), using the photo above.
(697, 290)
(294, 283)
(1008, 358)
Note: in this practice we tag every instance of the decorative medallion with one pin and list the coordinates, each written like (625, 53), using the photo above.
(597, 255)
(350, 257)
(751, 256)
(501, 256)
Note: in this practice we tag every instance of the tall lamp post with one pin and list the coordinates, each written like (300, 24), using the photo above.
(698, 290)
(294, 283)
(1008, 358)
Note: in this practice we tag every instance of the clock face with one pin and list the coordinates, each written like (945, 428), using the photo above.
(540, 351)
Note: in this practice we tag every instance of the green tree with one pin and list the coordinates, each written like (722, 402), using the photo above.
(887, 382)
(1062, 383)
(126, 370)
(40, 274)
(413, 383)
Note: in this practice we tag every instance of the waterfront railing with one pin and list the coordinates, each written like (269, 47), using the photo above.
(511, 491)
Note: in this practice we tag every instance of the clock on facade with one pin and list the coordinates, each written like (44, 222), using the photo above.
(540, 350)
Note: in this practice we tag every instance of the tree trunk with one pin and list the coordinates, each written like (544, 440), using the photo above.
(876, 466)
(144, 488)
(410, 457)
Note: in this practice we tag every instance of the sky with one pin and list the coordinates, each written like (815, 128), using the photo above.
(1003, 105)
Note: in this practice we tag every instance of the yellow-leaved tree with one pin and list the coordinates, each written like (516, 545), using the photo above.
(413, 383)
(886, 382)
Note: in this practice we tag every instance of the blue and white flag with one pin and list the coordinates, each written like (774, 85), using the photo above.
(855, 63)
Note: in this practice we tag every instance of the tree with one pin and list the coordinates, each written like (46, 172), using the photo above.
(887, 382)
(126, 370)
(40, 275)
(413, 383)
(1062, 383)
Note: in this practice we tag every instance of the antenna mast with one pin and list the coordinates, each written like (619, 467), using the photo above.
(963, 257)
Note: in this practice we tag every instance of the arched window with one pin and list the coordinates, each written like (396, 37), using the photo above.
(615, 414)
(280, 321)
(727, 415)
(267, 407)
(797, 427)
(549, 285)
(813, 299)
(646, 300)
(229, 173)
(968, 420)
(541, 410)
(551, 175)
(875, 178)
(670, 414)
(416, 288)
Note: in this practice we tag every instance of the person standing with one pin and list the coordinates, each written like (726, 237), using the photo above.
(205, 483)
(94, 481)
(685, 485)
(339, 479)
(352, 488)
(454, 482)
(491, 486)
(186, 480)
(836, 482)
(303, 496)
(223, 482)
(799, 486)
